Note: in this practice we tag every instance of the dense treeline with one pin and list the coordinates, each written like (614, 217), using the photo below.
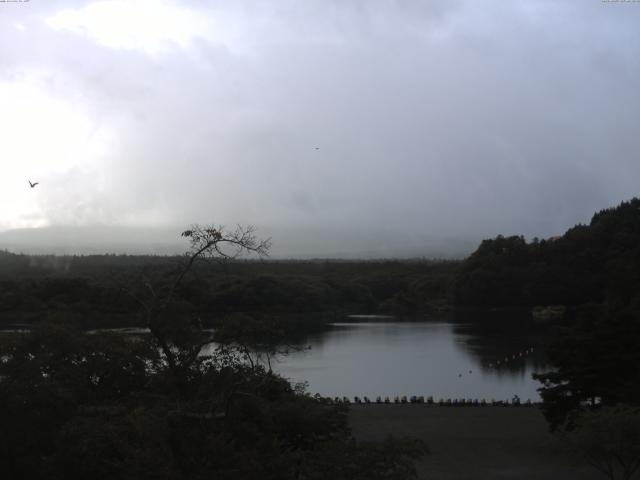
(32, 287)
(589, 263)
(595, 354)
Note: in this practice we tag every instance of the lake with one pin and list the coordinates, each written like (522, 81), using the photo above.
(440, 358)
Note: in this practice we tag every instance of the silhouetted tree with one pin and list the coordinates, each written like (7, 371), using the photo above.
(182, 341)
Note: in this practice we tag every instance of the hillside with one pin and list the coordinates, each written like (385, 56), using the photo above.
(589, 263)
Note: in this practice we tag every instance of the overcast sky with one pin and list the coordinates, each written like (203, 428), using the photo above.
(444, 118)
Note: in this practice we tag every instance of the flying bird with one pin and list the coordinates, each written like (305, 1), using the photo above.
(33, 184)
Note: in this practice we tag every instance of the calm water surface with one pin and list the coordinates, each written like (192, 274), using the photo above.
(417, 358)
(445, 359)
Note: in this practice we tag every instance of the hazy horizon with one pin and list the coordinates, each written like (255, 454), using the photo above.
(286, 242)
(291, 243)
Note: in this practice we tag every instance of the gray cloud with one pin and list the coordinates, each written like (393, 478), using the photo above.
(443, 118)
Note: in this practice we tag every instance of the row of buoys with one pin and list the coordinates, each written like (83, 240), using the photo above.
(455, 402)
(511, 358)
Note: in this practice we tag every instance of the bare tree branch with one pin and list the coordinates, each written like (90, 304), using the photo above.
(206, 242)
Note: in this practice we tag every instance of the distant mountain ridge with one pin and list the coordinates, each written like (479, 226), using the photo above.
(295, 243)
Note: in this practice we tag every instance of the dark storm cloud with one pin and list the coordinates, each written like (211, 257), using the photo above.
(448, 118)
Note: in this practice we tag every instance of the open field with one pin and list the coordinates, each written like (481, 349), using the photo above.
(483, 443)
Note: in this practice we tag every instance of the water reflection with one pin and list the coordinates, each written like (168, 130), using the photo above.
(443, 359)
(507, 342)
